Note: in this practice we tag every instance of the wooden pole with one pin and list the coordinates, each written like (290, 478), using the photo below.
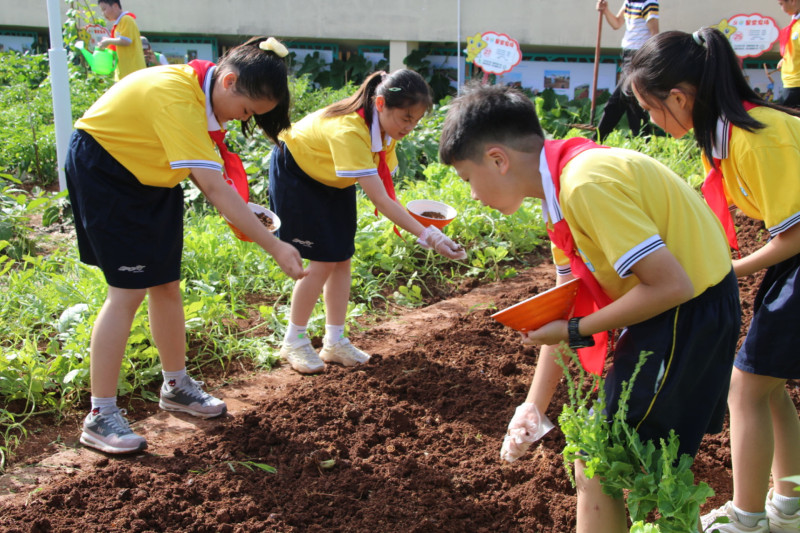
(596, 66)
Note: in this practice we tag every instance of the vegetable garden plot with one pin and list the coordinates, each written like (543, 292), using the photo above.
(408, 443)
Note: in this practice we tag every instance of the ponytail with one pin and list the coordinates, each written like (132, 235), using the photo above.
(402, 88)
(261, 74)
(705, 61)
(362, 98)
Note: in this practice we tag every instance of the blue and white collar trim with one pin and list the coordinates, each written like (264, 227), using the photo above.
(719, 148)
(551, 209)
(213, 123)
(375, 133)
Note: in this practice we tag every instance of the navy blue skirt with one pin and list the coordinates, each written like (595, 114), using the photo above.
(684, 383)
(320, 221)
(771, 347)
(133, 232)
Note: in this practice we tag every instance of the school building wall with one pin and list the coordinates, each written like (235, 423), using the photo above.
(552, 33)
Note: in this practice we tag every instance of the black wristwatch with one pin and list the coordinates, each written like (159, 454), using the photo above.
(576, 340)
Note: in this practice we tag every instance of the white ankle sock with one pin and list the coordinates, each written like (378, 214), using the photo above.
(333, 334)
(105, 405)
(786, 504)
(174, 378)
(749, 519)
(295, 335)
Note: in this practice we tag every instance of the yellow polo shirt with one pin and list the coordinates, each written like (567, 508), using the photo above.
(762, 170)
(129, 58)
(622, 205)
(336, 151)
(154, 123)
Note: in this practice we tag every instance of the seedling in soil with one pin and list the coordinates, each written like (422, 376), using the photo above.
(251, 465)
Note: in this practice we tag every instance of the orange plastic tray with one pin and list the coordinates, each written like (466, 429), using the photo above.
(535, 312)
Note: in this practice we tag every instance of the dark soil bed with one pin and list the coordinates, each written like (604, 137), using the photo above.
(408, 443)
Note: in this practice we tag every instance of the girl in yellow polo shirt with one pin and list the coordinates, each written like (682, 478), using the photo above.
(751, 149)
(126, 159)
(312, 179)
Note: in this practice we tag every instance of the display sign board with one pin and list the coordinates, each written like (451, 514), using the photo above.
(750, 35)
(499, 53)
(92, 34)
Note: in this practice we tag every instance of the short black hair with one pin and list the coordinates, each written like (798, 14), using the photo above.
(484, 114)
(110, 2)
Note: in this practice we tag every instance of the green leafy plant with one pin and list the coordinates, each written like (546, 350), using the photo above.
(654, 478)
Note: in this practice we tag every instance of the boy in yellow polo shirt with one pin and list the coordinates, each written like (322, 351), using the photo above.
(652, 259)
(125, 39)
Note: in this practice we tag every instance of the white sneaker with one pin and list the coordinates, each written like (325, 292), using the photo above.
(733, 525)
(779, 522)
(302, 358)
(343, 353)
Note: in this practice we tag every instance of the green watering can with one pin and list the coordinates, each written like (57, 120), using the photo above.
(101, 62)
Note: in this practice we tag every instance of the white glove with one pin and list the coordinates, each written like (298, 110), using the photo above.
(432, 237)
(526, 427)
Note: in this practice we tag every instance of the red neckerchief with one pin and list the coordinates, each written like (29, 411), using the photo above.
(114, 29)
(785, 36)
(590, 296)
(383, 169)
(713, 187)
(233, 170)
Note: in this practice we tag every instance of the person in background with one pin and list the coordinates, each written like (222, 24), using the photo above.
(640, 18)
(789, 64)
(751, 151)
(124, 40)
(151, 57)
(127, 157)
(652, 261)
(312, 188)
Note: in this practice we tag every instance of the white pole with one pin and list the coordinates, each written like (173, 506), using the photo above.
(59, 82)
(460, 65)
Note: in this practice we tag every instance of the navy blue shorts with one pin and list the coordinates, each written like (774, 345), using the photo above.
(133, 232)
(771, 345)
(684, 383)
(318, 220)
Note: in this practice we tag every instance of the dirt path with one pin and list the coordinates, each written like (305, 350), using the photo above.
(409, 443)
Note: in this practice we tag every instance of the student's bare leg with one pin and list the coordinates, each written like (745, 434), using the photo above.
(307, 290)
(597, 512)
(786, 432)
(337, 293)
(110, 337)
(168, 325)
(752, 441)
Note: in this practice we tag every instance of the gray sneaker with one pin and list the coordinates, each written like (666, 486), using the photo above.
(188, 396)
(111, 433)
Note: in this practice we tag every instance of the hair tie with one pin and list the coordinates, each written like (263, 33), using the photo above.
(699, 39)
(274, 45)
